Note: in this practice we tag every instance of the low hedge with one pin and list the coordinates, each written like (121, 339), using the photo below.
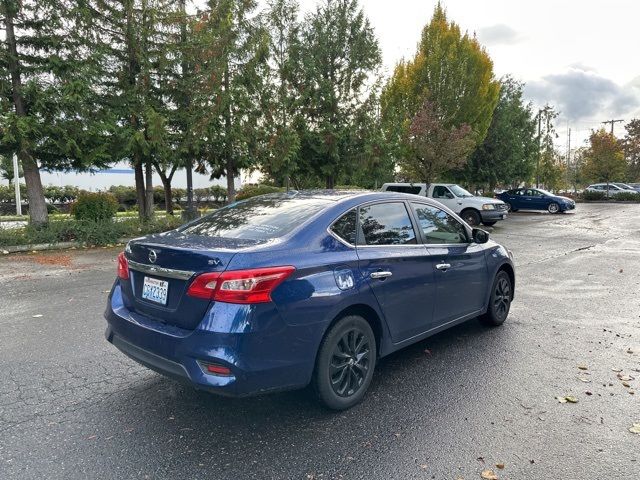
(87, 232)
(602, 196)
(251, 190)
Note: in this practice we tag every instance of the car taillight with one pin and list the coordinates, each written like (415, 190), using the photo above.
(123, 267)
(239, 286)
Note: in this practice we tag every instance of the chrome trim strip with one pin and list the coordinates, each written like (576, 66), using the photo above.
(161, 271)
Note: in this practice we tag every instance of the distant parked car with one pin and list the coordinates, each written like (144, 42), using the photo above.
(535, 199)
(635, 186)
(611, 189)
(473, 210)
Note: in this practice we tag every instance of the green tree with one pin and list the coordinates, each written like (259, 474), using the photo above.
(604, 159)
(433, 147)
(509, 152)
(339, 59)
(631, 143)
(229, 93)
(283, 141)
(450, 69)
(47, 108)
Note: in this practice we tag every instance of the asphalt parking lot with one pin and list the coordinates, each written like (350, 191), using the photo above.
(456, 404)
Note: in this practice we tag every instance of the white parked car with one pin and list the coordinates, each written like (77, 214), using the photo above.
(472, 209)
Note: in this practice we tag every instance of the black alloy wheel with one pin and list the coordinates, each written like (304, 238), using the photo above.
(500, 300)
(345, 363)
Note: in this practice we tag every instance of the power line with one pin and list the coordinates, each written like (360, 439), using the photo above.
(612, 122)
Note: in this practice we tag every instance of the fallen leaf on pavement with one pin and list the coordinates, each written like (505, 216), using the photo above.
(488, 475)
(635, 428)
(37, 316)
(585, 380)
(500, 465)
(583, 367)
(566, 399)
(615, 369)
(626, 384)
(625, 378)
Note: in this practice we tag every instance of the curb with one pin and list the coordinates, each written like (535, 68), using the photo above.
(50, 246)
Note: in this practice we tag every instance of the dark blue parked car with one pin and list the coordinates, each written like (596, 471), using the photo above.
(535, 199)
(284, 290)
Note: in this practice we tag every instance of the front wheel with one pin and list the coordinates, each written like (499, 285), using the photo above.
(500, 300)
(345, 363)
(472, 217)
(510, 207)
(553, 207)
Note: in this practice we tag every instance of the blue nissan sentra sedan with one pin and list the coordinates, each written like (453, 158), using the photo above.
(286, 290)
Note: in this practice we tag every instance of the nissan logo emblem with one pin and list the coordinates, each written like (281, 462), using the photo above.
(153, 256)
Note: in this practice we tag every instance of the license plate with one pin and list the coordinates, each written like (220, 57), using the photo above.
(155, 290)
(504, 215)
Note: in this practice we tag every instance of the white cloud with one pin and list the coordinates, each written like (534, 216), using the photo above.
(499, 34)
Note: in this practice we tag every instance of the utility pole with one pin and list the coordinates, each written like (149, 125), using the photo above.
(539, 149)
(612, 123)
(16, 185)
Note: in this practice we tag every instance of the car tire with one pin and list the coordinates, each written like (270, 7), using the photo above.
(499, 300)
(553, 208)
(471, 216)
(510, 207)
(489, 224)
(345, 363)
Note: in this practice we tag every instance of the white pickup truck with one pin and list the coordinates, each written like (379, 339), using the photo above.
(473, 210)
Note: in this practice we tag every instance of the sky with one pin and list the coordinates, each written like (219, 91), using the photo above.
(579, 55)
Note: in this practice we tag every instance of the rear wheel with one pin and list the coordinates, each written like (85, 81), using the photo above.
(500, 300)
(345, 363)
(472, 217)
(553, 207)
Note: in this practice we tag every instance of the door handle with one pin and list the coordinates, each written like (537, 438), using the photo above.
(380, 275)
(443, 266)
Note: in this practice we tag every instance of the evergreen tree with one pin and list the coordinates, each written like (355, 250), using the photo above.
(47, 106)
(339, 59)
(283, 141)
(508, 154)
(229, 94)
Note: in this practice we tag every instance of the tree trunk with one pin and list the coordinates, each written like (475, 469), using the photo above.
(38, 215)
(140, 194)
(231, 187)
(166, 185)
(230, 167)
(330, 181)
(35, 193)
(148, 180)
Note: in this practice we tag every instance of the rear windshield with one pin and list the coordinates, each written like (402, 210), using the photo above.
(261, 218)
(404, 189)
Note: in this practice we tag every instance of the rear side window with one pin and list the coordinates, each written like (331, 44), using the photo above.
(261, 218)
(415, 190)
(345, 227)
(386, 224)
(438, 227)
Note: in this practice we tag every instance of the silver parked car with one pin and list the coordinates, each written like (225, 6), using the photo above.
(612, 189)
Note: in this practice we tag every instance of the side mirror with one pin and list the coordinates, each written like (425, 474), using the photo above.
(480, 236)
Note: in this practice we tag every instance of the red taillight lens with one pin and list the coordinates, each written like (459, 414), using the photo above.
(240, 286)
(216, 369)
(123, 267)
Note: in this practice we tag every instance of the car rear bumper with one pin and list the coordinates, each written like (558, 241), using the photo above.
(258, 356)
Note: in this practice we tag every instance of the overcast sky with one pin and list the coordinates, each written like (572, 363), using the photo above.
(580, 55)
